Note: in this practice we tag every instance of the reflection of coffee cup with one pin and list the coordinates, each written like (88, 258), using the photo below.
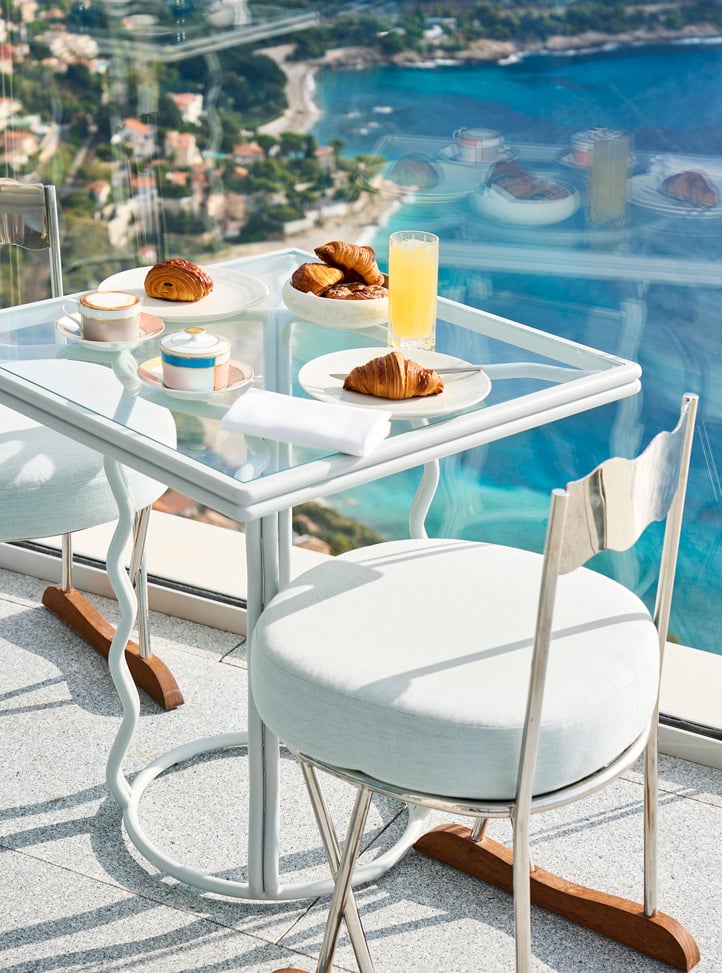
(195, 360)
(477, 144)
(582, 144)
(109, 316)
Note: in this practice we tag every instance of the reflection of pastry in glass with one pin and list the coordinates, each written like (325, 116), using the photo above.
(691, 187)
(415, 171)
(520, 184)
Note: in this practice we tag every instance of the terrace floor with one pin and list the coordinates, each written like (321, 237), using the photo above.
(76, 895)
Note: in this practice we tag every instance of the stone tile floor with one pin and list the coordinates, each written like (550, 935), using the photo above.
(76, 895)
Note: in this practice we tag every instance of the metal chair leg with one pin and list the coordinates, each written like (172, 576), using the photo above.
(522, 891)
(138, 577)
(66, 563)
(342, 887)
(650, 823)
(333, 853)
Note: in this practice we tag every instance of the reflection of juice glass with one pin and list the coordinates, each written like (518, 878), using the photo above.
(608, 188)
(413, 285)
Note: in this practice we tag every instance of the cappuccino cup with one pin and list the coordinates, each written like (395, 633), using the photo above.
(477, 144)
(109, 316)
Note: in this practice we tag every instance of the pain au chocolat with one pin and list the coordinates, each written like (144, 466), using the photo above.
(177, 279)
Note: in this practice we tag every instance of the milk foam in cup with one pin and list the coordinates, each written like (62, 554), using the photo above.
(109, 316)
(194, 360)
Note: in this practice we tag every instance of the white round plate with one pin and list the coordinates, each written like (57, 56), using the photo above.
(150, 327)
(455, 182)
(460, 391)
(450, 153)
(232, 292)
(645, 191)
(342, 315)
(239, 379)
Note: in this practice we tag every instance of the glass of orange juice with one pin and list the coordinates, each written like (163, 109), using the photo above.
(413, 285)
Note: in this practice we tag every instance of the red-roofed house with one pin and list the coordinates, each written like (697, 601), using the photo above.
(246, 153)
(190, 105)
(139, 135)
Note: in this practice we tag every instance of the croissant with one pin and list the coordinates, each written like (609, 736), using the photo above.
(691, 187)
(393, 377)
(177, 280)
(315, 278)
(357, 263)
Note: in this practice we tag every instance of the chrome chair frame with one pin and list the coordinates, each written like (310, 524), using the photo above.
(606, 510)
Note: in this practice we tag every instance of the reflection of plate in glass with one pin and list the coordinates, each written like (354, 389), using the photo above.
(645, 191)
(567, 159)
(460, 391)
(493, 202)
(450, 153)
(453, 182)
(150, 327)
(240, 377)
(232, 292)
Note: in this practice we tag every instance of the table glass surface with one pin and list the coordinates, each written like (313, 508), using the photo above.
(277, 344)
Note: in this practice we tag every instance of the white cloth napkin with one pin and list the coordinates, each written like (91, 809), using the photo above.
(307, 422)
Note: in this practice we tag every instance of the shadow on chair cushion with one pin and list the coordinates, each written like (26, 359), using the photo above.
(50, 484)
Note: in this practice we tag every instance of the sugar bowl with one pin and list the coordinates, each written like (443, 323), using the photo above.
(195, 360)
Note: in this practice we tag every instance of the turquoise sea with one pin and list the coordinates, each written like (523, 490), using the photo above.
(669, 98)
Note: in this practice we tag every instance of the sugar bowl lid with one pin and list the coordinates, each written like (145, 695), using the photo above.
(194, 342)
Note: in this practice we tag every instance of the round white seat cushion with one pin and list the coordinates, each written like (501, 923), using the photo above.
(50, 484)
(409, 661)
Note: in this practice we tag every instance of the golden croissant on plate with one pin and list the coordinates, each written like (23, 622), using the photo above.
(177, 279)
(393, 377)
(315, 278)
(358, 263)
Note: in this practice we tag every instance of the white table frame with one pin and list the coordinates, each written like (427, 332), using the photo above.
(580, 378)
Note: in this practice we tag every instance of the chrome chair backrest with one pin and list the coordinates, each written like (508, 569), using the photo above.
(29, 219)
(608, 510)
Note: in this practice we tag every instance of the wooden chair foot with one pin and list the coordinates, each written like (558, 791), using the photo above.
(622, 920)
(151, 674)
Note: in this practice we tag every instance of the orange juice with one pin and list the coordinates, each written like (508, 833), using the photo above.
(413, 285)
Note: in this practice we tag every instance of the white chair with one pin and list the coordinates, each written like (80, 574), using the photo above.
(487, 681)
(50, 485)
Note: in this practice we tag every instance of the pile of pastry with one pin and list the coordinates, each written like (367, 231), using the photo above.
(177, 279)
(520, 184)
(347, 272)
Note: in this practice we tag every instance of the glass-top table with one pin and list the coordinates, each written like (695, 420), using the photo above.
(536, 378)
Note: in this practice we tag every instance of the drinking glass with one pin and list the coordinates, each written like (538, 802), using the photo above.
(413, 286)
(609, 172)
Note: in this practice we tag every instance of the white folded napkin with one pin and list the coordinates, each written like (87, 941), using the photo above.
(307, 422)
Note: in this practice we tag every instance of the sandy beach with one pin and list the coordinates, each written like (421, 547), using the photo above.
(302, 112)
(358, 224)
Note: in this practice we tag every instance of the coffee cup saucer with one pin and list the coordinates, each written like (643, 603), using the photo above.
(150, 327)
(240, 377)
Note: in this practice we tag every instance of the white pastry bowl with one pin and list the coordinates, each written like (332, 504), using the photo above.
(344, 315)
(493, 202)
